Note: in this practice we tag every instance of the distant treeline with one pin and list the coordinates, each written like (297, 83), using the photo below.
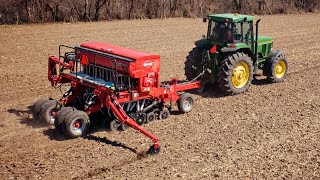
(37, 11)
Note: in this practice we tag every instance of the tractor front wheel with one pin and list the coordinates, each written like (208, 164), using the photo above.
(276, 67)
(76, 124)
(235, 74)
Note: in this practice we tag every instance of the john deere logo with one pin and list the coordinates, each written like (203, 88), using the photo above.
(147, 64)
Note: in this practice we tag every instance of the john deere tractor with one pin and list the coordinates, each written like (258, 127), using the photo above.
(232, 53)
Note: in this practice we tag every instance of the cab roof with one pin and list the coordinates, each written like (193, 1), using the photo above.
(230, 17)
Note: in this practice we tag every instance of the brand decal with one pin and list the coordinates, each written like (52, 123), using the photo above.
(148, 64)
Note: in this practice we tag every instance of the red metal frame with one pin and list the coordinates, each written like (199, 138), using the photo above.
(144, 67)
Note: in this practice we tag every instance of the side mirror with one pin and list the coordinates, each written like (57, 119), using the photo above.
(204, 19)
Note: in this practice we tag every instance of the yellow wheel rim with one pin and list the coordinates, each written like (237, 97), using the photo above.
(280, 69)
(240, 75)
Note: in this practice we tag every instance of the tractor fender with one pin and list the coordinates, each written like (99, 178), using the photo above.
(201, 44)
(247, 51)
(228, 50)
(275, 53)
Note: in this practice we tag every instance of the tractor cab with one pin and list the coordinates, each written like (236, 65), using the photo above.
(230, 29)
(236, 31)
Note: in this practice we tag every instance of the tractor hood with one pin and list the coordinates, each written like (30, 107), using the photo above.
(264, 39)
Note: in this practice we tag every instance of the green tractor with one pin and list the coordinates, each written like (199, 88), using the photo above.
(232, 53)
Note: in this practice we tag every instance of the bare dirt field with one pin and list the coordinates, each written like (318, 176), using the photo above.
(271, 131)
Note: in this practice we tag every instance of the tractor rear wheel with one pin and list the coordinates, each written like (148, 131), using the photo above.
(192, 64)
(185, 103)
(37, 106)
(48, 111)
(235, 74)
(76, 124)
(276, 67)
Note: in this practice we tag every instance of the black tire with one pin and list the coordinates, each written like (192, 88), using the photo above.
(238, 63)
(276, 67)
(123, 127)
(139, 118)
(76, 124)
(37, 106)
(164, 114)
(192, 64)
(49, 110)
(115, 124)
(60, 116)
(185, 103)
(151, 116)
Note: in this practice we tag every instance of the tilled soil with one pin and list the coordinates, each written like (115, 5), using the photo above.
(271, 131)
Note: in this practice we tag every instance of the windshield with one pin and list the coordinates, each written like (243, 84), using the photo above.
(221, 31)
(242, 31)
(230, 32)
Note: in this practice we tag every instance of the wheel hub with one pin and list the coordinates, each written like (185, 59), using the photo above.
(280, 69)
(52, 115)
(77, 124)
(240, 75)
(187, 104)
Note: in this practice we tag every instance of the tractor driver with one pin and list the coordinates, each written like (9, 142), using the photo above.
(226, 33)
(222, 32)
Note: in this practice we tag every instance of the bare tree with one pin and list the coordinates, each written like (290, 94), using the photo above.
(31, 11)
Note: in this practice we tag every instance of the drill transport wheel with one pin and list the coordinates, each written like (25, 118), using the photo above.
(60, 116)
(37, 106)
(76, 124)
(164, 114)
(185, 103)
(48, 111)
